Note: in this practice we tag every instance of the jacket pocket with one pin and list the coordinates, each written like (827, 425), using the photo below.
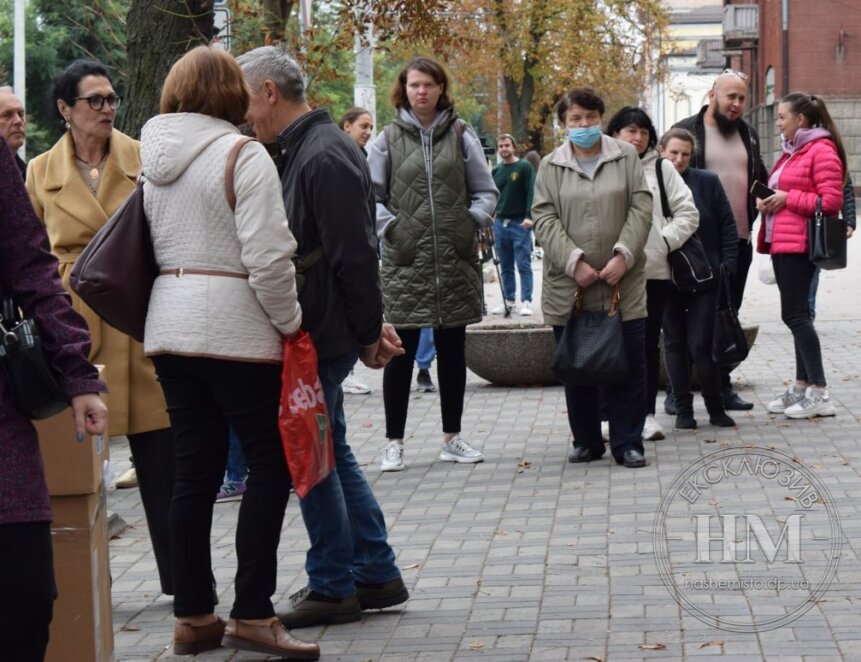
(399, 245)
(464, 237)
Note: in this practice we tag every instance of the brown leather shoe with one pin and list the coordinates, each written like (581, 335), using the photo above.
(270, 639)
(194, 639)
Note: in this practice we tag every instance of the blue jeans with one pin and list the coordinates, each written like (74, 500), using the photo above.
(236, 467)
(514, 246)
(426, 349)
(345, 524)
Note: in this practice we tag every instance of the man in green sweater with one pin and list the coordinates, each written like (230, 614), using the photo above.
(512, 227)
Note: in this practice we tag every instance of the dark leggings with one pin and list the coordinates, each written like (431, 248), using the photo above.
(656, 299)
(153, 456)
(27, 590)
(451, 371)
(793, 272)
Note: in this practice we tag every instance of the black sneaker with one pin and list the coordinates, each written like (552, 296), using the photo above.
(380, 596)
(425, 383)
(670, 405)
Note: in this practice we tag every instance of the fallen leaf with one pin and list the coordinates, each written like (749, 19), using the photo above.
(653, 647)
(500, 532)
(523, 465)
(710, 441)
(713, 642)
(594, 658)
(790, 498)
(412, 566)
(129, 628)
(714, 503)
(367, 425)
(476, 645)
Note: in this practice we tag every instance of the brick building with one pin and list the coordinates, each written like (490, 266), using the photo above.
(810, 46)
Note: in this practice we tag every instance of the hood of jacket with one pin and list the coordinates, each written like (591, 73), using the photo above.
(171, 142)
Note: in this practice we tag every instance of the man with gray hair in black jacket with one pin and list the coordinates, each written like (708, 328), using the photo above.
(330, 208)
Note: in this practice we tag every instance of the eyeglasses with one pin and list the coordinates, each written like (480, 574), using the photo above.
(740, 74)
(97, 101)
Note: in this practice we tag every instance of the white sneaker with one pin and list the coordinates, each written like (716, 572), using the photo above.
(812, 405)
(354, 387)
(393, 457)
(652, 430)
(500, 309)
(526, 308)
(791, 397)
(605, 430)
(458, 450)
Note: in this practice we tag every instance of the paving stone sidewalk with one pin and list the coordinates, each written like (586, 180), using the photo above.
(527, 557)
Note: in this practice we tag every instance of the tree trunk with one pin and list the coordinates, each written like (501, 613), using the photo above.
(159, 33)
(276, 13)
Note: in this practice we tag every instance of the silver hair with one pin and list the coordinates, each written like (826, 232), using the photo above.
(7, 88)
(273, 63)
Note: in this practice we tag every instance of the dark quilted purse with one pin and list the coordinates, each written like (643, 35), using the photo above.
(591, 351)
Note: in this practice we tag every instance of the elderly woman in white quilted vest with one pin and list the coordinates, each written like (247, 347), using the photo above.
(225, 299)
(434, 190)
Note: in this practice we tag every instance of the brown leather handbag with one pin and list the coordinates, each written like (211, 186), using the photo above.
(115, 272)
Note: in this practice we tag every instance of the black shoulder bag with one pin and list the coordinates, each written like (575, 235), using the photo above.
(826, 239)
(690, 269)
(591, 350)
(729, 346)
(30, 379)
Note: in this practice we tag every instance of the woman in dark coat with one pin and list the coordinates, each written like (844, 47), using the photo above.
(689, 316)
(29, 274)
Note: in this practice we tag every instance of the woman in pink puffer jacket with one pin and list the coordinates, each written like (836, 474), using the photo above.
(812, 166)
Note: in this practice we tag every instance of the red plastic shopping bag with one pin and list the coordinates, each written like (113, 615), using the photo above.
(303, 420)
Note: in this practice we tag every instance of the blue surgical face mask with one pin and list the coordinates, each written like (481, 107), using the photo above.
(585, 137)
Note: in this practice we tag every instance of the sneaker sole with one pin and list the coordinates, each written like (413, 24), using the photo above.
(776, 410)
(383, 601)
(655, 436)
(425, 389)
(256, 647)
(228, 499)
(815, 414)
(399, 467)
(448, 457)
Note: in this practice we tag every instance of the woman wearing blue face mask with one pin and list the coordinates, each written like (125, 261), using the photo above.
(592, 211)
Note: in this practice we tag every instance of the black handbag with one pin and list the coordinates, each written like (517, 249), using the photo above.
(729, 345)
(690, 269)
(826, 239)
(30, 379)
(591, 350)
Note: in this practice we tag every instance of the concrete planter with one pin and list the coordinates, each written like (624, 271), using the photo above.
(521, 354)
(511, 354)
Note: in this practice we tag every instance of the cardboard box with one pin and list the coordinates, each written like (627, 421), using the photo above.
(71, 467)
(82, 629)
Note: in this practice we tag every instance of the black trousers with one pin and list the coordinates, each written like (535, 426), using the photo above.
(656, 298)
(794, 272)
(451, 371)
(27, 590)
(739, 281)
(689, 319)
(626, 403)
(205, 396)
(153, 456)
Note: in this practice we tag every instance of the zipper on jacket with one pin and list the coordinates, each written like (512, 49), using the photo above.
(427, 150)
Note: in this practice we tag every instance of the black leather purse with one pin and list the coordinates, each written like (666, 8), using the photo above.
(30, 380)
(591, 350)
(826, 239)
(729, 345)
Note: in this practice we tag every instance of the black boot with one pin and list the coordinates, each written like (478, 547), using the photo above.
(685, 411)
(717, 415)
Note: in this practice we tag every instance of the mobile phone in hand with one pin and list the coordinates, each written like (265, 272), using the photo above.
(760, 190)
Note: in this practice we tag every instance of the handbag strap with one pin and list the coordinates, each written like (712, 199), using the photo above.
(665, 202)
(724, 300)
(230, 167)
(818, 214)
(615, 296)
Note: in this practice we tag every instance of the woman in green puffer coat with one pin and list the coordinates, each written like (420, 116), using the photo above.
(434, 190)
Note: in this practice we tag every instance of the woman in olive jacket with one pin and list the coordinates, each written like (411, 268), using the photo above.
(593, 213)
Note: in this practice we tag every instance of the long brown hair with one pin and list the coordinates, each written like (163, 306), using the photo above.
(814, 109)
